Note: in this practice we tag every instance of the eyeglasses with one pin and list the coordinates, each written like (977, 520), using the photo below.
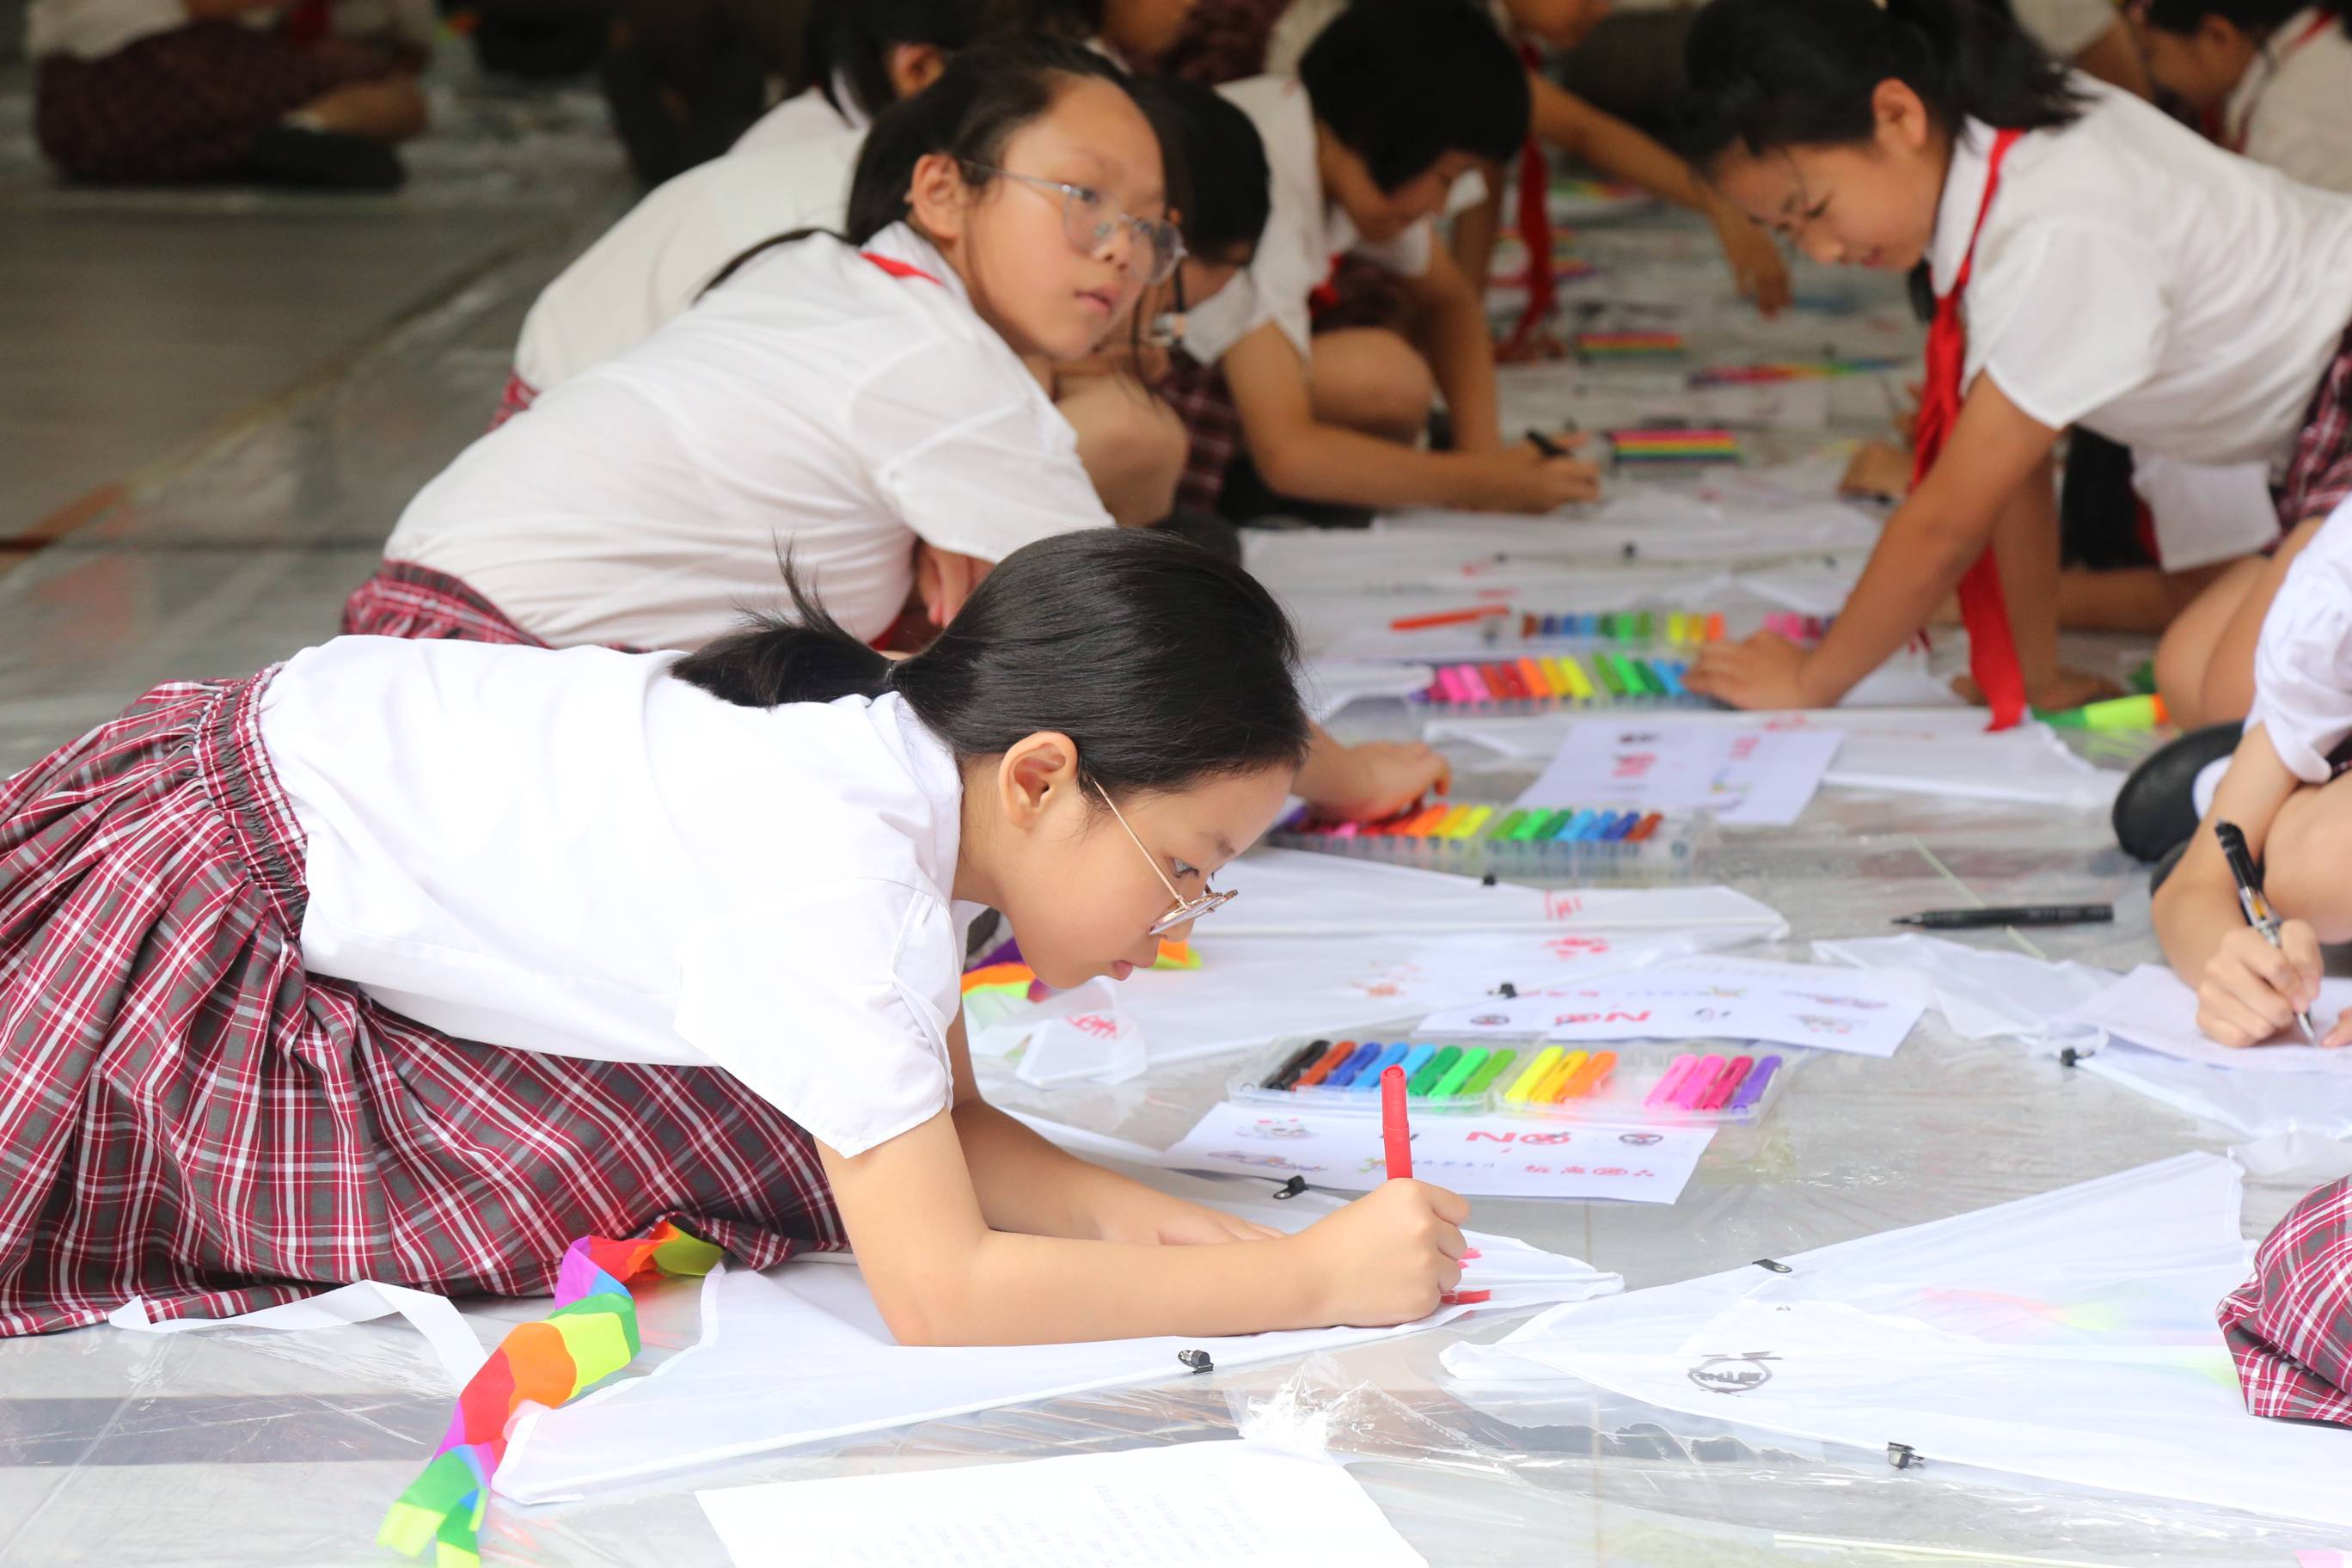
(1186, 909)
(1089, 222)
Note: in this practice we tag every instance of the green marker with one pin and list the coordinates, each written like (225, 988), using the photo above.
(1459, 1074)
(1436, 1067)
(2116, 713)
(1495, 1067)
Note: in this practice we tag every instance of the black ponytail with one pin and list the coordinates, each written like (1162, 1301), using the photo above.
(1164, 664)
(2255, 18)
(980, 101)
(1766, 75)
(849, 44)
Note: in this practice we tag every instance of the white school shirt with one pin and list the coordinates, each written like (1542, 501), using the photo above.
(578, 854)
(92, 29)
(1304, 233)
(656, 261)
(801, 117)
(2293, 109)
(814, 400)
(2139, 280)
(2303, 659)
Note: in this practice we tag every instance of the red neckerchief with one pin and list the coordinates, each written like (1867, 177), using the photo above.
(1535, 229)
(899, 269)
(2318, 25)
(1993, 651)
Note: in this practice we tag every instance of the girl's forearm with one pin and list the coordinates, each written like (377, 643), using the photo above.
(1461, 358)
(1615, 148)
(1025, 1184)
(1029, 1289)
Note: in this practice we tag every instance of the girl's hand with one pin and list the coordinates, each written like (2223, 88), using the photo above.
(2250, 991)
(1879, 469)
(1154, 1218)
(1521, 479)
(1537, 347)
(1757, 264)
(1378, 779)
(1388, 1257)
(1766, 670)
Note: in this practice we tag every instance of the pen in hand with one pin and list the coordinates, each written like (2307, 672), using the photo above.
(2256, 907)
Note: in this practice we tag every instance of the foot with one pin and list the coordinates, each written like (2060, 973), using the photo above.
(2067, 688)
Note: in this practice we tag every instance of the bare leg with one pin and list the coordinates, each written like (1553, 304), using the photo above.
(2186, 649)
(2304, 856)
(2132, 599)
(1371, 380)
(1133, 444)
(2226, 689)
(389, 109)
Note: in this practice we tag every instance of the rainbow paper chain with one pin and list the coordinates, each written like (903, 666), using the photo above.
(592, 1334)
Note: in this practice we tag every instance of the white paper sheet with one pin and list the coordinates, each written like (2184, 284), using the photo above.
(2069, 1336)
(2255, 1104)
(1981, 992)
(1317, 942)
(1478, 1156)
(1707, 998)
(1188, 1505)
(1330, 685)
(1750, 776)
(1945, 753)
(2152, 1007)
(799, 1353)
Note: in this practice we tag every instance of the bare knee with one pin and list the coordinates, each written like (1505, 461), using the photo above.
(1133, 447)
(2304, 856)
(1373, 381)
(390, 108)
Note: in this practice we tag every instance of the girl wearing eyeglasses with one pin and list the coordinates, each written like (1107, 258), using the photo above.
(413, 961)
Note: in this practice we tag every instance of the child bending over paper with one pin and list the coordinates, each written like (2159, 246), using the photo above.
(2286, 791)
(564, 943)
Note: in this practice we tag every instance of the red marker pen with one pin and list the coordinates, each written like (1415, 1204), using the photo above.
(1396, 1136)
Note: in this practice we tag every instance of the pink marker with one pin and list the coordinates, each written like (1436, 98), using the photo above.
(1676, 1070)
(1700, 1084)
(1728, 1084)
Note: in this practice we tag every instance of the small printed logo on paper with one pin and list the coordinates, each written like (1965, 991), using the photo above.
(1734, 1374)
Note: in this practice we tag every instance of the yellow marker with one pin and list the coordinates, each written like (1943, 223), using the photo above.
(1445, 827)
(1547, 1093)
(1580, 684)
(1478, 818)
(1537, 1070)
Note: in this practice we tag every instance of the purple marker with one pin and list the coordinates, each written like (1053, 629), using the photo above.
(1757, 1081)
(1676, 1072)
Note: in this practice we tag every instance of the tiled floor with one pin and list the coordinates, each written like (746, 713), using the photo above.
(212, 408)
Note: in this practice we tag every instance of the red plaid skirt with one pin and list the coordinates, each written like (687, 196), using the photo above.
(183, 105)
(1213, 428)
(187, 1116)
(405, 600)
(2319, 475)
(2290, 1327)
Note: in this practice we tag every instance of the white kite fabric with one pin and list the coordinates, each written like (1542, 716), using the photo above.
(1316, 944)
(799, 1353)
(2070, 1337)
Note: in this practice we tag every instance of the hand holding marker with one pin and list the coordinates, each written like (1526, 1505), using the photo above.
(2256, 907)
(1396, 1148)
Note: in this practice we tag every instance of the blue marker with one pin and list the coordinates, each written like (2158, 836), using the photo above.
(1416, 1060)
(1345, 1073)
(1369, 1079)
(1622, 826)
(1672, 675)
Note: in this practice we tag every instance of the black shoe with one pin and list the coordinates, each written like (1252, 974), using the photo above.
(2156, 807)
(322, 161)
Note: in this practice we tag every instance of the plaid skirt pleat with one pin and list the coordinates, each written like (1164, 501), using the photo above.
(183, 105)
(2290, 1327)
(2319, 474)
(405, 600)
(1213, 428)
(187, 1116)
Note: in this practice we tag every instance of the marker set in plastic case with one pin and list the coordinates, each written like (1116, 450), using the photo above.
(1473, 840)
(1704, 1082)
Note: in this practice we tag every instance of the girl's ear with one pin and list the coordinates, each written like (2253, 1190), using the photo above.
(912, 68)
(1035, 776)
(938, 198)
(1902, 116)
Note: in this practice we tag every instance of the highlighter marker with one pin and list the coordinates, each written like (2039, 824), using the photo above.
(1495, 1065)
(1538, 683)
(1548, 1092)
(1644, 828)
(1758, 1082)
(1479, 816)
(1300, 1061)
(1464, 1068)
(1670, 676)
(1589, 1076)
(1604, 667)
(1432, 1072)
(1537, 1070)
(1728, 1084)
(1513, 820)
(1324, 1068)
(1366, 1077)
(1668, 1086)
(1700, 1084)
(1345, 1074)
(1581, 684)
(1415, 1059)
